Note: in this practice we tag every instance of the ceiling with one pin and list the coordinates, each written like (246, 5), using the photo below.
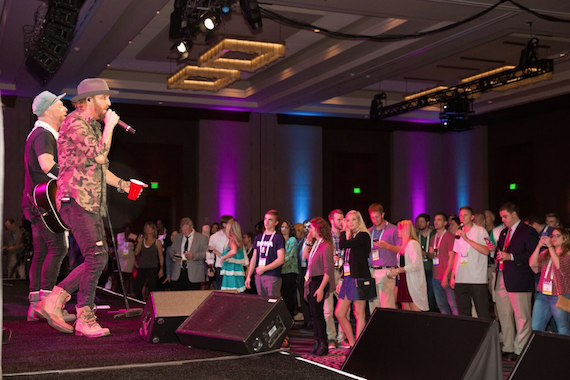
(126, 42)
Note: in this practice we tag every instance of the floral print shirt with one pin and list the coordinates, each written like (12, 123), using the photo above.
(80, 176)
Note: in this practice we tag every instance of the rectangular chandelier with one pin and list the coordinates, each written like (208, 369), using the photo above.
(202, 78)
(265, 53)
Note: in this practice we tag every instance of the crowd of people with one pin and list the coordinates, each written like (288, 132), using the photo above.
(323, 269)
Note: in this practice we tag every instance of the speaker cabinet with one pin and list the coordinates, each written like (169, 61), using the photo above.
(50, 47)
(407, 345)
(165, 311)
(237, 323)
(545, 356)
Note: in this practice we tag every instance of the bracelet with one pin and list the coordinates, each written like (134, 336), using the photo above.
(308, 244)
(119, 188)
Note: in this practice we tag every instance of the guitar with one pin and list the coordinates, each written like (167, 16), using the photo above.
(44, 199)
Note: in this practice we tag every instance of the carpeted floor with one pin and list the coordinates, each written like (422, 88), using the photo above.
(34, 349)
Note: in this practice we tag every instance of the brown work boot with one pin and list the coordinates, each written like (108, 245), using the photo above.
(51, 308)
(86, 324)
(67, 317)
(34, 298)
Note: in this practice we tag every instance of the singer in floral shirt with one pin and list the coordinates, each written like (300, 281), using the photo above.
(81, 201)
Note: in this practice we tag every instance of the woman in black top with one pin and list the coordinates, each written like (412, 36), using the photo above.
(355, 239)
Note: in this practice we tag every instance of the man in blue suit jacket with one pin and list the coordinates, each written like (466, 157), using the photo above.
(514, 283)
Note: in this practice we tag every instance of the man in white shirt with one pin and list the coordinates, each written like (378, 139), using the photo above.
(469, 274)
(218, 242)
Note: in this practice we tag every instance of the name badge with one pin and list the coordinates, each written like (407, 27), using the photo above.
(346, 267)
(547, 288)
(435, 260)
(262, 261)
(464, 260)
(375, 254)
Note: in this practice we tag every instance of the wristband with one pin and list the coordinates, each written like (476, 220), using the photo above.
(308, 244)
(119, 188)
(54, 171)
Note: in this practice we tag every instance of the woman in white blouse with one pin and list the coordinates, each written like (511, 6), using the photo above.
(412, 288)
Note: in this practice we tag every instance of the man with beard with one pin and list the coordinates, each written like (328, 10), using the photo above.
(81, 201)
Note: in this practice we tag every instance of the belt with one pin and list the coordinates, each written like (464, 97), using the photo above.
(373, 267)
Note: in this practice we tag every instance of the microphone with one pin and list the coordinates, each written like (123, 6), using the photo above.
(460, 228)
(127, 127)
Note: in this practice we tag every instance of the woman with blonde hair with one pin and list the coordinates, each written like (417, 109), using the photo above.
(356, 241)
(233, 259)
(551, 259)
(412, 288)
(150, 265)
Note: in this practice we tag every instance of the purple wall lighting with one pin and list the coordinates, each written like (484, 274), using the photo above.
(418, 169)
(227, 170)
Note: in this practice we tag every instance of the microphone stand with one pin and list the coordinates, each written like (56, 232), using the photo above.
(127, 312)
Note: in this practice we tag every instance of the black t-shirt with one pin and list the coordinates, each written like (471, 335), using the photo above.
(40, 141)
(268, 247)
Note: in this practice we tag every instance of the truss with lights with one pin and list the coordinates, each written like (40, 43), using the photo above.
(499, 81)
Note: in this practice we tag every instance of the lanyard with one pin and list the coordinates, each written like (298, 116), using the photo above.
(548, 269)
(313, 251)
(427, 242)
(440, 239)
(269, 241)
(379, 237)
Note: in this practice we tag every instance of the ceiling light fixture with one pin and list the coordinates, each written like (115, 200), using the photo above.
(182, 47)
(486, 74)
(266, 53)
(226, 7)
(426, 92)
(202, 78)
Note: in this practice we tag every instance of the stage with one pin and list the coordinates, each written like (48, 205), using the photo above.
(34, 350)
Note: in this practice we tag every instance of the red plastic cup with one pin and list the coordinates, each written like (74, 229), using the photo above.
(136, 189)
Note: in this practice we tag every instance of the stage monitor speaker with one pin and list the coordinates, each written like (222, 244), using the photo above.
(165, 311)
(407, 345)
(545, 356)
(237, 323)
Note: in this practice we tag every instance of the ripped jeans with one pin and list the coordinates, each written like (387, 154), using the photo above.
(87, 228)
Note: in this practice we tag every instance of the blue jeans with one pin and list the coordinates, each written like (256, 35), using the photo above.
(49, 252)
(544, 309)
(88, 230)
(445, 298)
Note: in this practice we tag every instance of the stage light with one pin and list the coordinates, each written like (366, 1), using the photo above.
(513, 186)
(226, 7)
(182, 47)
(356, 190)
(251, 13)
(209, 23)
